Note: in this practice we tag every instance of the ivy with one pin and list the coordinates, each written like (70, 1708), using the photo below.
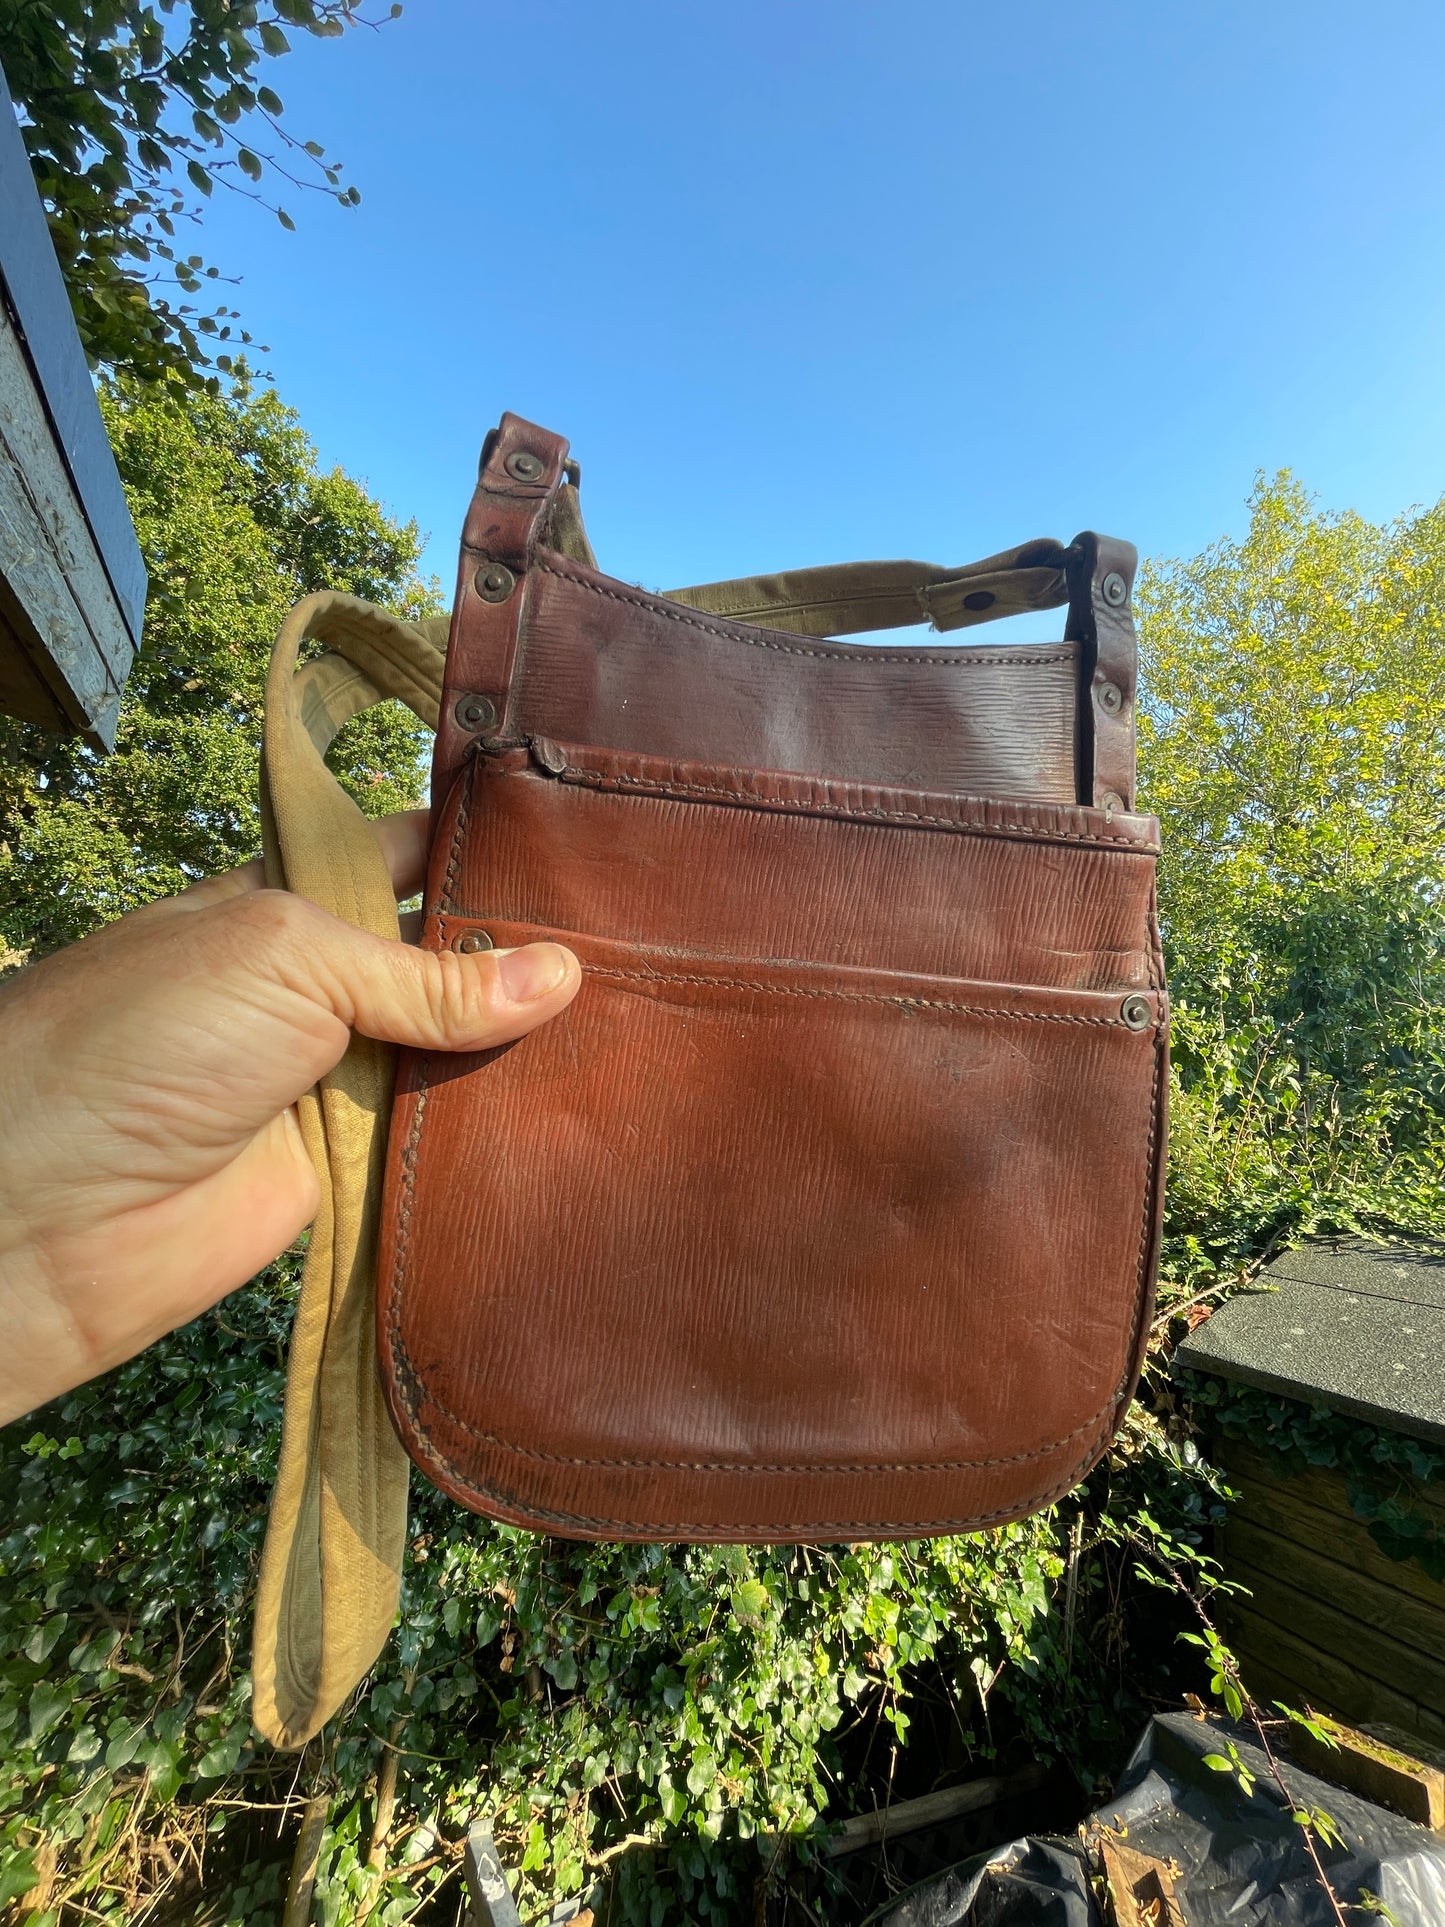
(127, 1561)
(682, 1702)
(1385, 1472)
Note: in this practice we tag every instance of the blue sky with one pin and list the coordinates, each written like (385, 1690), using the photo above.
(805, 282)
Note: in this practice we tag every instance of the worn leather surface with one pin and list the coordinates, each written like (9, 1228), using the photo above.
(829, 1208)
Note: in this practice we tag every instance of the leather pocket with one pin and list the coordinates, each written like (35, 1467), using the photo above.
(741, 1248)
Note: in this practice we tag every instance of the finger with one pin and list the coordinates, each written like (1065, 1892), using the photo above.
(403, 838)
(231, 883)
(401, 995)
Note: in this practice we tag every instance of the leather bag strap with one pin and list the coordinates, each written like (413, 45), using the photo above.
(519, 483)
(853, 597)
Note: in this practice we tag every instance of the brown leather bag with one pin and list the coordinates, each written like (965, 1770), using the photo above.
(829, 1209)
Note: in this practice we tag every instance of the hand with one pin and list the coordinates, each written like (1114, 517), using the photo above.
(150, 1157)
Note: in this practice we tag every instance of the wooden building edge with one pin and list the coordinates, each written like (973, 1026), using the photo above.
(1328, 1617)
(72, 580)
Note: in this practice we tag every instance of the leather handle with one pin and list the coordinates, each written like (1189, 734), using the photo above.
(1101, 620)
(520, 479)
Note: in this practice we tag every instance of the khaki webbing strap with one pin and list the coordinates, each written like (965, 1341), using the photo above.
(331, 1568)
(332, 1561)
(852, 597)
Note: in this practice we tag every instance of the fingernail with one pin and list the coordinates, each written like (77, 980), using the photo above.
(532, 971)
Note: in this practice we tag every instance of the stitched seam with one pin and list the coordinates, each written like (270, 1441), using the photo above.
(454, 855)
(597, 779)
(796, 649)
(405, 1378)
(1156, 945)
(754, 1471)
(1141, 1291)
(403, 1244)
(810, 1528)
(1141, 1286)
(855, 997)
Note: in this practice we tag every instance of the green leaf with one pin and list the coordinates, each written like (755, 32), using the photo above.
(249, 163)
(220, 1760)
(124, 1746)
(42, 1641)
(564, 1670)
(17, 1873)
(48, 1704)
(750, 1602)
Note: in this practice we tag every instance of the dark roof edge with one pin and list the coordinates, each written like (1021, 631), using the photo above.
(35, 291)
(1387, 1418)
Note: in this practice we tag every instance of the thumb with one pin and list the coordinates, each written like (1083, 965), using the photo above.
(401, 995)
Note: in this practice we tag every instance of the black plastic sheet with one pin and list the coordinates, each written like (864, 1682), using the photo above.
(1029, 1883)
(1235, 1858)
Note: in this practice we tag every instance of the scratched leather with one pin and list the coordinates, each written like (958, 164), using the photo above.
(606, 664)
(829, 1208)
(788, 1227)
(1055, 895)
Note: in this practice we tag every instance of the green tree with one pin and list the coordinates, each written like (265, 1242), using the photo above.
(236, 522)
(1292, 740)
(122, 101)
(1293, 728)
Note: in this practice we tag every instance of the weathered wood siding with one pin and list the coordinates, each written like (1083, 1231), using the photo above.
(1331, 1620)
(64, 646)
(72, 581)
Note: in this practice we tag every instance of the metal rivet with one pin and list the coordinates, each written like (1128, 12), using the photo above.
(523, 466)
(473, 941)
(1116, 590)
(1111, 800)
(1136, 1013)
(476, 712)
(1111, 698)
(494, 582)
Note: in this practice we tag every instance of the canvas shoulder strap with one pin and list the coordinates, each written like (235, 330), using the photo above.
(331, 1566)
